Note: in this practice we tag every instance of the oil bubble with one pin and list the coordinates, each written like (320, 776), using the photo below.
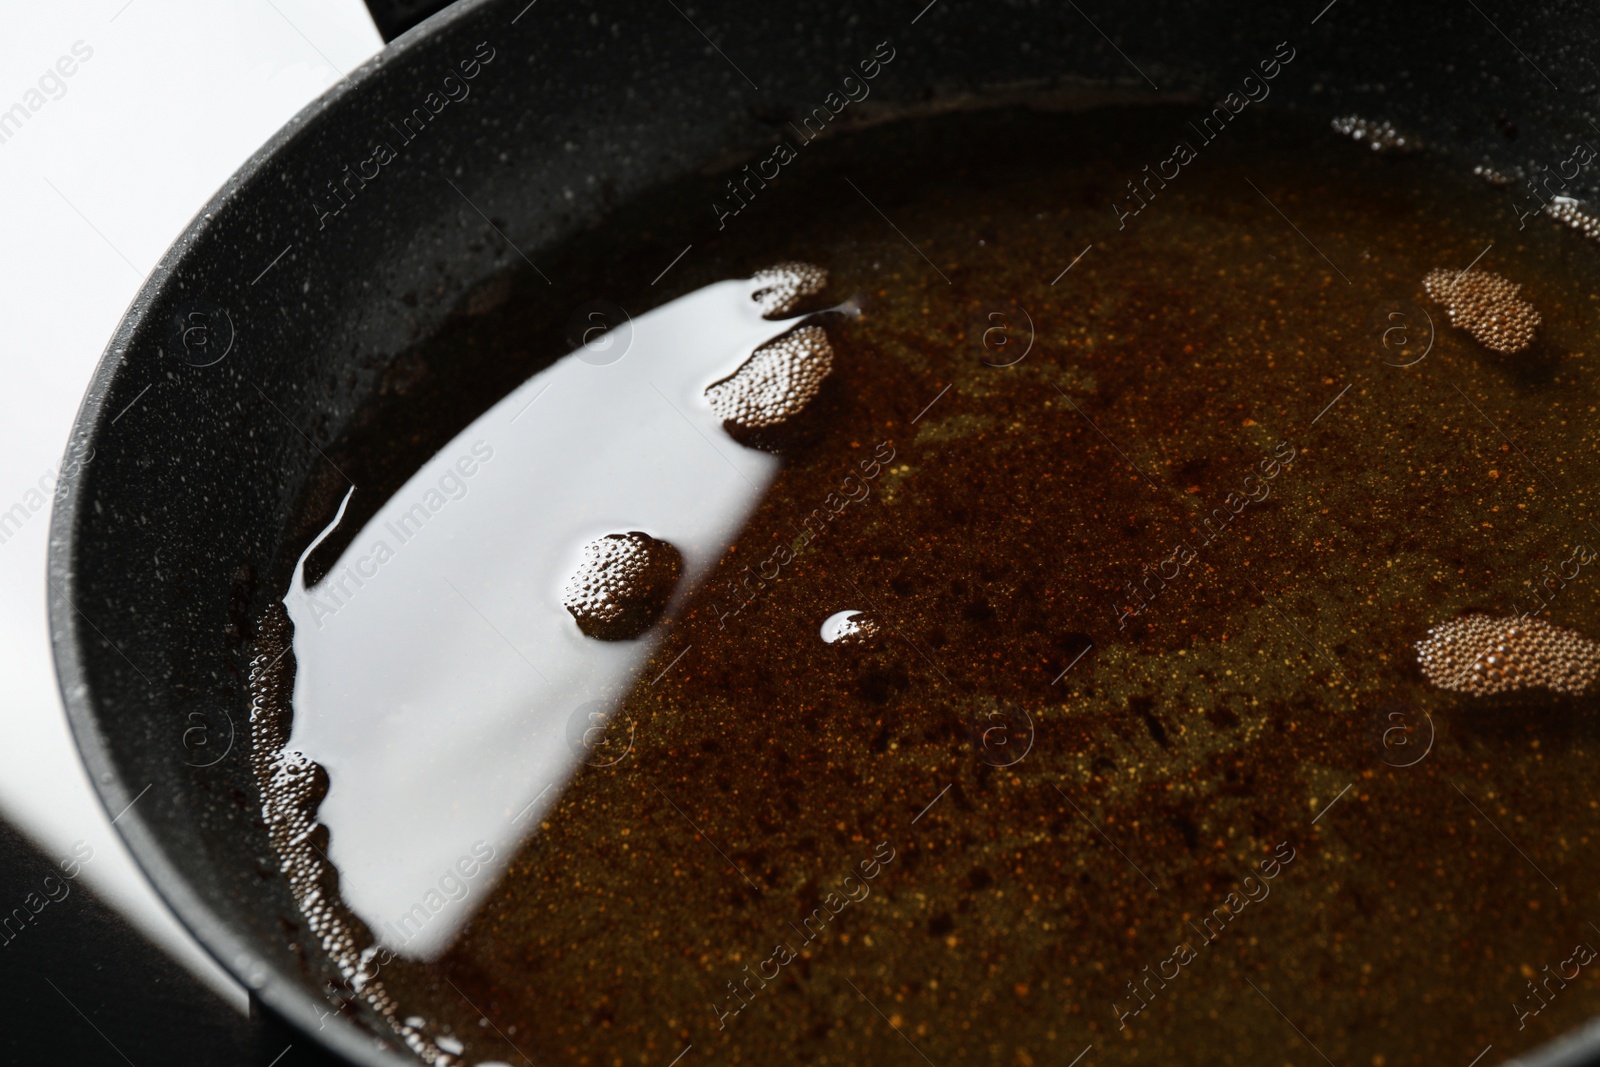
(776, 383)
(849, 627)
(623, 585)
(784, 285)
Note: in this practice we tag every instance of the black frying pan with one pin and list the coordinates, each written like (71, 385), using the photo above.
(278, 314)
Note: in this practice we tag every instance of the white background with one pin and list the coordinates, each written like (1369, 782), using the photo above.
(177, 94)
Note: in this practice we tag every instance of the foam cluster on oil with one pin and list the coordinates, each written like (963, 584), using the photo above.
(1184, 645)
(1484, 656)
(777, 382)
(1486, 306)
(623, 585)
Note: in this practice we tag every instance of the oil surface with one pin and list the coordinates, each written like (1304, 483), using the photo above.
(1148, 514)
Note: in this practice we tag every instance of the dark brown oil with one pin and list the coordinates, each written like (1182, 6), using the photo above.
(1073, 792)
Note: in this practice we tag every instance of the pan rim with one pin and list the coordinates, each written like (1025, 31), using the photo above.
(265, 983)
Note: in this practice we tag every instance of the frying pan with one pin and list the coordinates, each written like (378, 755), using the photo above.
(290, 300)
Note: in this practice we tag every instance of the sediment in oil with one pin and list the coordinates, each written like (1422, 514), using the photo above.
(1185, 730)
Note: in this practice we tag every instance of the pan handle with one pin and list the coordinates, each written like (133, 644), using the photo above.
(395, 17)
